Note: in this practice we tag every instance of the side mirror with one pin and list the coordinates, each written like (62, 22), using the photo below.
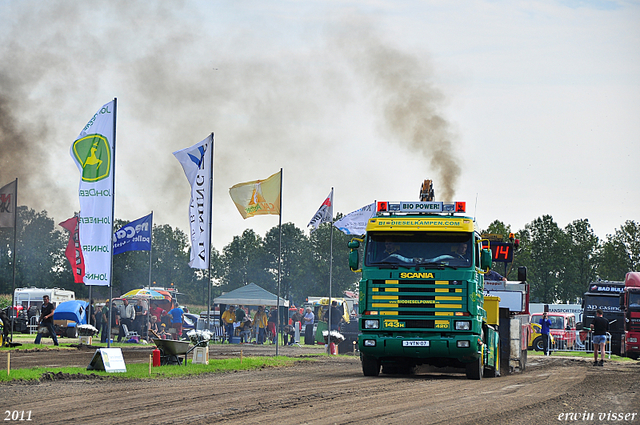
(485, 259)
(354, 260)
(522, 274)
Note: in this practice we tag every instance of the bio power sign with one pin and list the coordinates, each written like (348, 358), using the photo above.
(93, 153)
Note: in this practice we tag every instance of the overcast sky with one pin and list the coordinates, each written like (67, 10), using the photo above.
(520, 108)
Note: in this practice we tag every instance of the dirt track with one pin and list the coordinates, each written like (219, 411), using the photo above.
(327, 390)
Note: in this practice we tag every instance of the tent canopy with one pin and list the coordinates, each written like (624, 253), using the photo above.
(250, 294)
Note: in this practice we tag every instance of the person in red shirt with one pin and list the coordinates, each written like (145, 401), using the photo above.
(156, 311)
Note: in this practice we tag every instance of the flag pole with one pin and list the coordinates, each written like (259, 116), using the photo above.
(150, 249)
(330, 276)
(15, 232)
(209, 242)
(113, 207)
(279, 265)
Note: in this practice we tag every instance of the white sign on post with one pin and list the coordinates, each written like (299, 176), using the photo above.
(109, 360)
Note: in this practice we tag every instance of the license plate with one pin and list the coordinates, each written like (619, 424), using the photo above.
(415, 343)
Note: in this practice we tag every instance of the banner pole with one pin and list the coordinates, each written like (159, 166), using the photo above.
(150, 250)
(210, 237)
(279, 265)
(330, 276)
(113, 207)
(15, 232)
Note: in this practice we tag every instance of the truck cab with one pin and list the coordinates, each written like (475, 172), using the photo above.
(630, 306)
(421, 293)
(605, 295)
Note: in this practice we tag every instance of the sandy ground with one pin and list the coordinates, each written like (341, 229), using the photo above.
(325, 391)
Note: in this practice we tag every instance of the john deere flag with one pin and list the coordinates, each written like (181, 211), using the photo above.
(258, 197)
(93, 153)
(74, 250)
(197, 163)
(324, 213)
(8, 205)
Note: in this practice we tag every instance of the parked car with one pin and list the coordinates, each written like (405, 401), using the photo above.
(563, 331)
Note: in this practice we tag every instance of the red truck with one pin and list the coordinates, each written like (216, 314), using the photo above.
(630, 306)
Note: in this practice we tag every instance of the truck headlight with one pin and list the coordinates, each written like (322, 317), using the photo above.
(369, 342)
(371, 324)
(463, 344)
(463, 325)
(633, 339)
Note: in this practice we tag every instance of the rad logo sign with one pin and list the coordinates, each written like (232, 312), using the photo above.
(94, 153)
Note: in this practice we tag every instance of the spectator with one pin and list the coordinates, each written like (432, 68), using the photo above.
(245, 329)
(153, 326)
(92, 313)
(545, 326)
(163, 331)
(98, 318)
(600, 327)
(309, 318)
(141, 320)
(176, 320)
(336, 316)
(155, 310)
(127, 313)
(273, 320)
(228, 317)
(493, 275)
(105, 322)
(240, 314)
(260, 320)
(46, 320)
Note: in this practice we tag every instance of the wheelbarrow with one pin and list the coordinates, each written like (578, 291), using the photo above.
(171, 350)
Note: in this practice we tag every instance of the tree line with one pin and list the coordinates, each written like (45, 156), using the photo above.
(561, 262)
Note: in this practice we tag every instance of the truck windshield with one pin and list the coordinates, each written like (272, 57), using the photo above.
(602, 302)
(634, 300)
(419, 248)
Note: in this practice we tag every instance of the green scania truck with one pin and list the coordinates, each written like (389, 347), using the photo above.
(421, 295)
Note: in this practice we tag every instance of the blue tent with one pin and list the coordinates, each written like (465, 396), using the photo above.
(74, 310)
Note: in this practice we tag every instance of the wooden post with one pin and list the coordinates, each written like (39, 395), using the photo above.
(150, 363)
(8, 363)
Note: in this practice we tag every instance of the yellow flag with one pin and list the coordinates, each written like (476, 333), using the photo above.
(258, 197)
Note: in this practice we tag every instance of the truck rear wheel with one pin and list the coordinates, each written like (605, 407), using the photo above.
(475, 369)
(370, 366)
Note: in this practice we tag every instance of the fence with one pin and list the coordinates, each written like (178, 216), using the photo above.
(570, 343)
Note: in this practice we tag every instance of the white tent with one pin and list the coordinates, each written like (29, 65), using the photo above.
(250, 294)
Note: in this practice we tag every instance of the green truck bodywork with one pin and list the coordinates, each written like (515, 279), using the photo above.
(421, 294)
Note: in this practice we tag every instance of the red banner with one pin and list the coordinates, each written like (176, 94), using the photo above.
(74, 251)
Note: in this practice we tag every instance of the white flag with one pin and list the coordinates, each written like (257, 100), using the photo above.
(8, 204)
(324, 213)
(93, 153)
(355, 223)
(197, 163)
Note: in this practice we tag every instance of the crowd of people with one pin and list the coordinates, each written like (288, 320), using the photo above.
(136, 320)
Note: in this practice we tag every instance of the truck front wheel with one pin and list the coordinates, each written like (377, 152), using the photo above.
(370, 366)
(475, 369)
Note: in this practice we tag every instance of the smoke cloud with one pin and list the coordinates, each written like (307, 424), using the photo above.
(291, 105)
